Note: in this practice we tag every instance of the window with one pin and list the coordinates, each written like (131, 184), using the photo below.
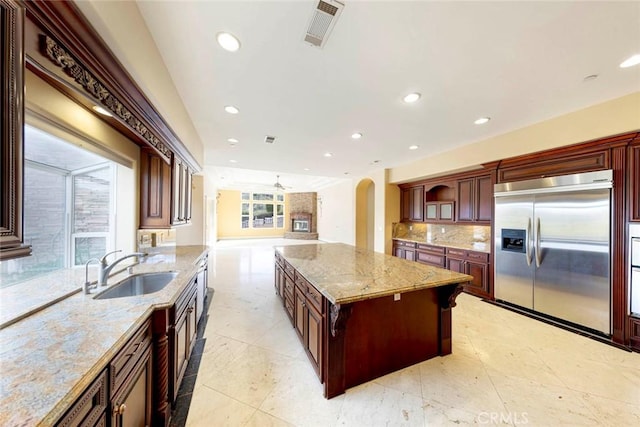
(262, 210)
(68, 207)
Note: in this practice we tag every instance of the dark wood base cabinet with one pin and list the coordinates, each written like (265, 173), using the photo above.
(473, 263)
(634, 333)
(123, 392)
(183, 317)
(406, 250)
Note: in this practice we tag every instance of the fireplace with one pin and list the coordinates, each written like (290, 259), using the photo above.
(300, 225)
(303, 217)
(301, 222)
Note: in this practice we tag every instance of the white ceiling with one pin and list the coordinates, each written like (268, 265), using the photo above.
(517, 62)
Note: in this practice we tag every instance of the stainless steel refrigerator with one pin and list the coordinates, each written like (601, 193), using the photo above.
(552, 247)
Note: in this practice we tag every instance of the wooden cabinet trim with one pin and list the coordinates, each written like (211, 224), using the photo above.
(576, 163)
(12, 131)
(73, 33)
(88, 409)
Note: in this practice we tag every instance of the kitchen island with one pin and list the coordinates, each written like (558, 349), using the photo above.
(362, 314)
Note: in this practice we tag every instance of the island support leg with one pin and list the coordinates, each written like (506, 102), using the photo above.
(334, 344)
(447, 300)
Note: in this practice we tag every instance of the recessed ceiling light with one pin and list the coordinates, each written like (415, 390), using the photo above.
(231, 109)
(102, 111)
(228, 42)
(346, 173)
(328, 154)
(307, 169)
(482, 120)
(413, 147)
(412, 97)
(233, 140)
(631, 61)
(356, 135)
(233, 161)
(590, 78)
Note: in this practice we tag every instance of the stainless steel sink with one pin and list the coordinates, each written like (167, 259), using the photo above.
(139, 284)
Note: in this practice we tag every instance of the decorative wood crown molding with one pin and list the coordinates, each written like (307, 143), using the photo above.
(59, 56)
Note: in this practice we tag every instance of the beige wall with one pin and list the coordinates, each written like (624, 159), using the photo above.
(609, 118)
(229, 225)
(51, 111)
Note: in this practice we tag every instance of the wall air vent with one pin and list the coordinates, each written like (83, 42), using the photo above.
(322, 21)
(269, 139)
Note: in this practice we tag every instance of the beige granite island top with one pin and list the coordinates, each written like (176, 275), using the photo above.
(345, 274)
(48, 358)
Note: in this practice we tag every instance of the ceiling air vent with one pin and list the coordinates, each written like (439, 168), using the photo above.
(269, 139)
(322, 20)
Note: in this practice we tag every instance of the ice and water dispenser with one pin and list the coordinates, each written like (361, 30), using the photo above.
(513, 240)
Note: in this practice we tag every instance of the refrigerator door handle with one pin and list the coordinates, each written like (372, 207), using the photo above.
(527, 246)
(538, 249)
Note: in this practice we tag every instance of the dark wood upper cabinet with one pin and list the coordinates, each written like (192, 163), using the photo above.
(634, 181)
(181, 192)
(12, 16)
(475, 199)
(155, 190)
(412, 203)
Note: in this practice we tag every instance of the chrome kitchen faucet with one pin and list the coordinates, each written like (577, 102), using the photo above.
(87, 286)
(105, 268)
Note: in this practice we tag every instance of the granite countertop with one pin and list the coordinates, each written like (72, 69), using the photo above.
(345, 274)
(49, 357)
(475, 246)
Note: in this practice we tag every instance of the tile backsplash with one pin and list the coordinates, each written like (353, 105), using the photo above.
(153, 238)
(442, 233)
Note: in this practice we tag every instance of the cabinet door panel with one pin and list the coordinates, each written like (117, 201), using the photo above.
(417, 203)
(314, 338)
(484, 199)
(300, 314)
(405, 204)
(466, 200)
(132, 406)
(456, 265)
(446, 211)
(155, 190)
(479, 272)
(634, 183)
(431, 211)
(409, 254)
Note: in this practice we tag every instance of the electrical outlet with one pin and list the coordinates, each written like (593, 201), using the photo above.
(396, 297)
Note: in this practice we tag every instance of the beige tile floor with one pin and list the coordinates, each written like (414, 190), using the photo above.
(505, 368)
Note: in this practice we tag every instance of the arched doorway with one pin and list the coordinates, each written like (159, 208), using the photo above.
(365, 214)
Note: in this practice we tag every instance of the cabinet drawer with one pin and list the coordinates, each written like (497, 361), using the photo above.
(90, 407)
(302, 283)
(288, 304)
(458, 253)
(279, 260)
(478, 256)
(315, 298)
(126, 359)
(183, 300)
(432, 259)
(288, 288)
(289, 270)
(431, 248)
(403, 244)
